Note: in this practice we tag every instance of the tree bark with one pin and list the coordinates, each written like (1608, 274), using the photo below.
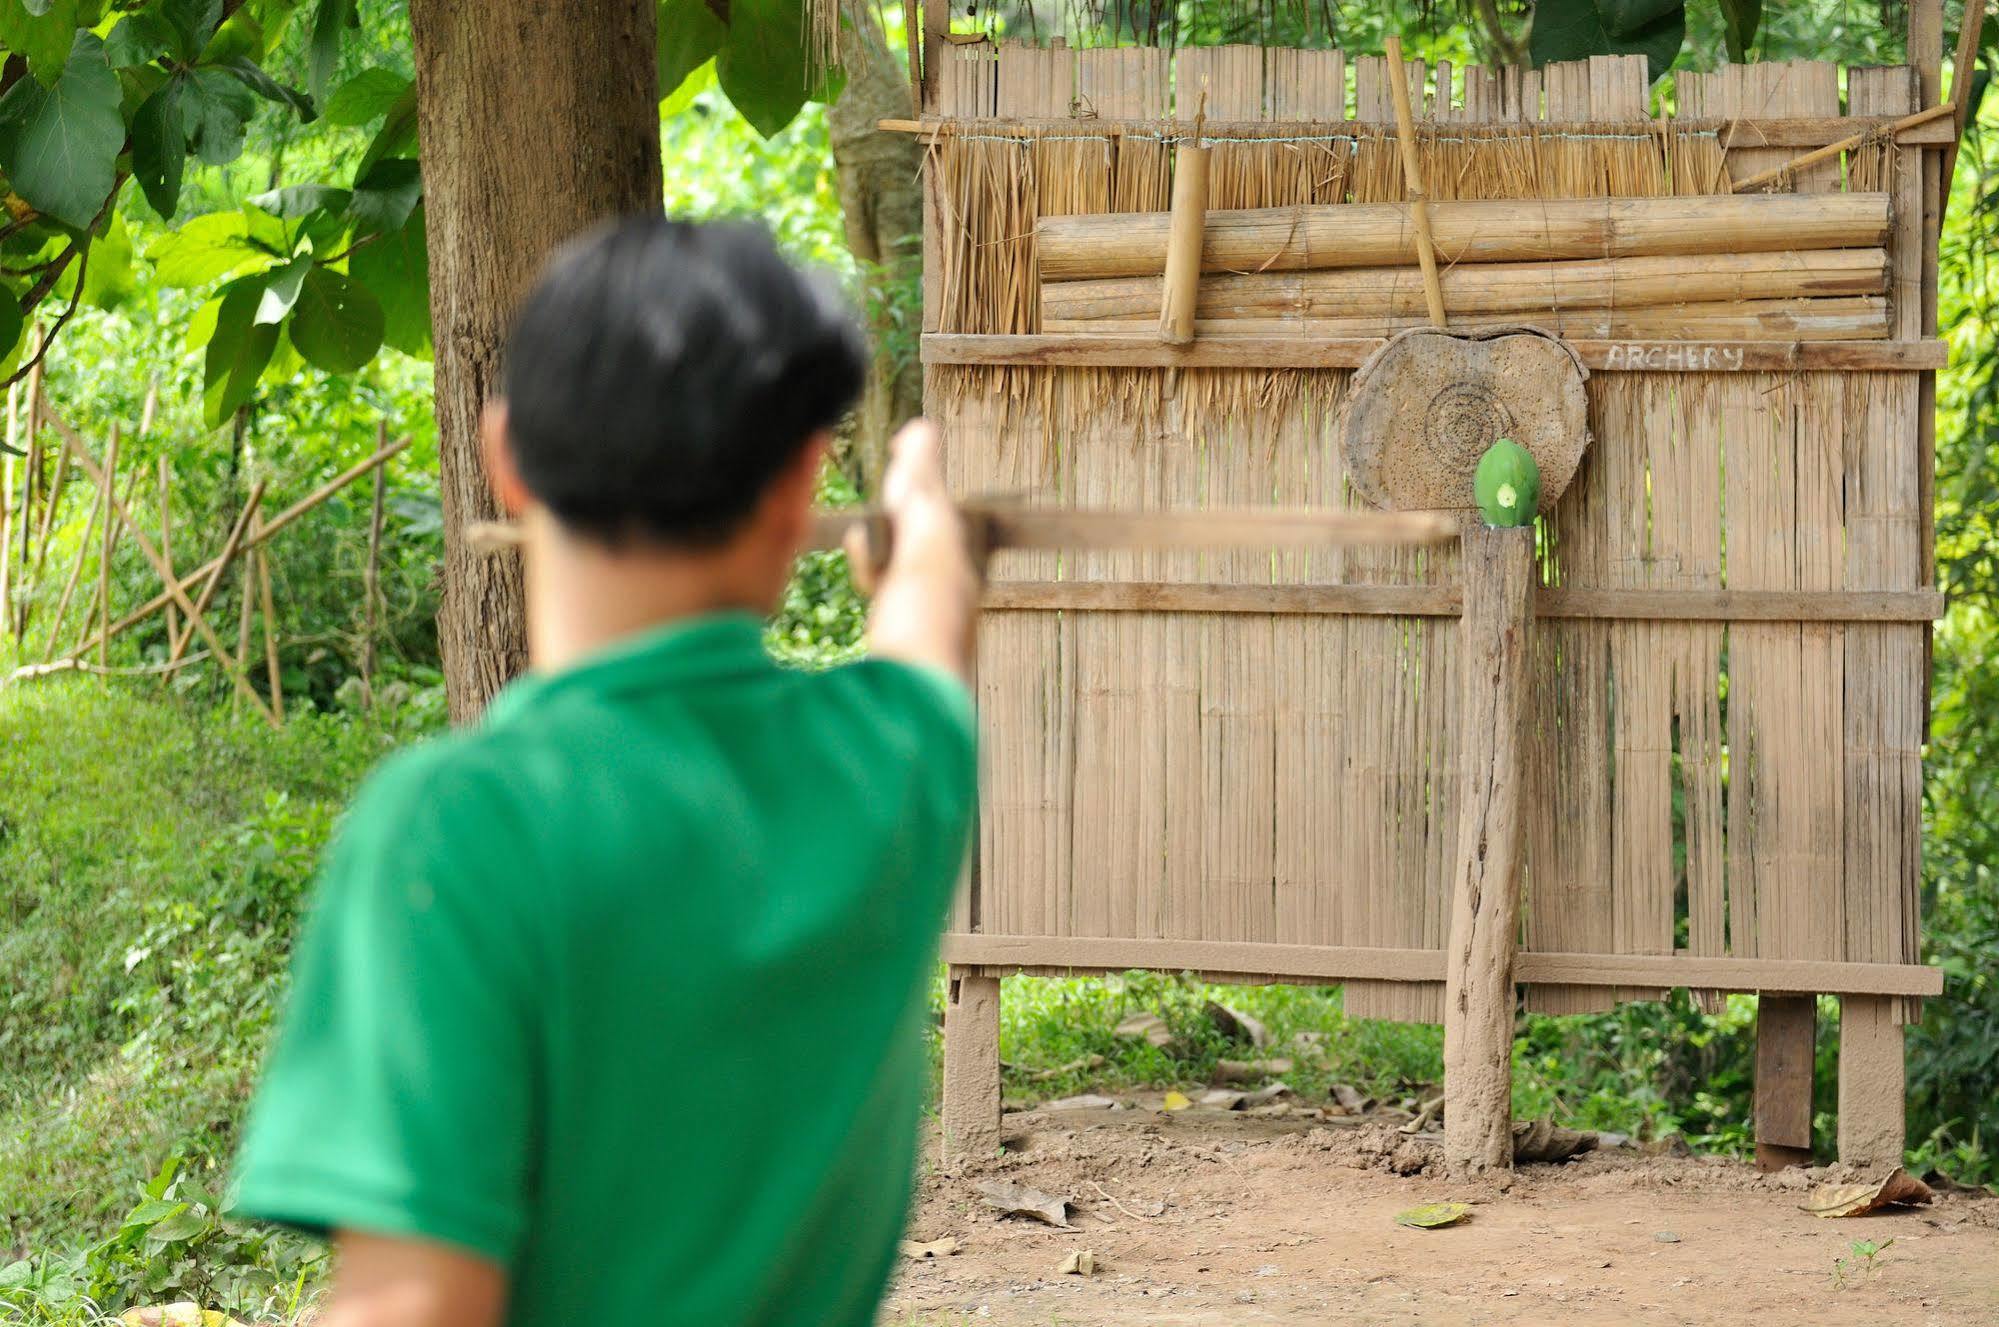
(537, 121)
(881, 201)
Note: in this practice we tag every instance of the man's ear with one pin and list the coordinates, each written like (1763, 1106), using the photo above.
(503, 476)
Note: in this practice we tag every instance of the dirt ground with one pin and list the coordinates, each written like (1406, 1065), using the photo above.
(1209, 1217)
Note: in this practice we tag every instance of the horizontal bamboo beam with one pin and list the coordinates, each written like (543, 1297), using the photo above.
(1000, 954)
(1078, 350)
(1791, 167)
(1799, 131)
(1448, 601)
(1838, 318)
(1276, 239)
(1524, 289)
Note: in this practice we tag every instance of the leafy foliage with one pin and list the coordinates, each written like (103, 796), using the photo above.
(1578, 29)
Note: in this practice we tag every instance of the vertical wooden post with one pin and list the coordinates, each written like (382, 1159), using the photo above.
(1485, 898)
(371, 576)
(1183, 241)
(1786, 1034)
(1871, 1081)
(936, 34)
(971, 1065)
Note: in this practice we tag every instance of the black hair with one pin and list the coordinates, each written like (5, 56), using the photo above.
(661, 373)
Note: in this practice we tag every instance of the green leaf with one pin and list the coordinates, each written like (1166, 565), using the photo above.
(107, 278)
(194, 22)
(65, 158)
(689, 37)
(336, 324)
(239, 37)
(385, 196)
(329, 20)
(17, 1273)
(11, 323)
(1578, 29)
(395, 269)
(396, 137)
(211, 248)
(762, 65)
(366, 96)
(302, 200)
(159, 148)
(254, 78)
(237, 352)
(139, 39)
(215, 107)
(1739, 21)
(182, 1225)
(201, 327)
(281, 289)
(152, 1210)
(696, 83)
(44, 40)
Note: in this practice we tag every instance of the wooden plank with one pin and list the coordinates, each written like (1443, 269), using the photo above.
(1332, 963)
(1479, 999)
(1658, 605)
(1078, 350)
(936, 34)
(1786, 1032)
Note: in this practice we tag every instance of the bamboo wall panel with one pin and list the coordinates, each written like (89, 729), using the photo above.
(1748, 789)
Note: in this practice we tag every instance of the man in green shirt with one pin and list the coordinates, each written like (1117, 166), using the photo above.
(609, 1011)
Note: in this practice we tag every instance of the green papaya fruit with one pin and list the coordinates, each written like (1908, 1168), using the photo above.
(1507, 484)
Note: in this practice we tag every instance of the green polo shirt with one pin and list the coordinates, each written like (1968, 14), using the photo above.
(624, 989)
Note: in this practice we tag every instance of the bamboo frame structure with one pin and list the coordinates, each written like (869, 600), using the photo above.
(1236, 763)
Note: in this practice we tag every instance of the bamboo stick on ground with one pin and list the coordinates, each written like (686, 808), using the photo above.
(230, 663)
(230, 548)
(271, 529)
(273, 673)
(1412, 181)
(104, 551)
(83, 547)
(1274, 239)
(1526, 288)
(166, 526)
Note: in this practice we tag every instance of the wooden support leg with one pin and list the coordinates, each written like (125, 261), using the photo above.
(1485, 901)
(971, 1066)
(1786, 1029)
(1871, 1089)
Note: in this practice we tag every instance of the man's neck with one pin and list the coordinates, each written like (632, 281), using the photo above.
(583, 596)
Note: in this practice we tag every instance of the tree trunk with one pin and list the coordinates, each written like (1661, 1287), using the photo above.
(881, 201)
(537, 121)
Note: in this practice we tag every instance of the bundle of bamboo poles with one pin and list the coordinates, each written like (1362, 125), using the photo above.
(1718, 268)
(30, 527)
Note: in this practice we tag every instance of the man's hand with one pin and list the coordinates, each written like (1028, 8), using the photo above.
(382, 1281)
(926, 606)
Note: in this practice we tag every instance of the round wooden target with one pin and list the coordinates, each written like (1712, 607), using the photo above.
(1425, 406)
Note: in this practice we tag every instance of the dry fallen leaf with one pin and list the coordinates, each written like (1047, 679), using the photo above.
(1433, 1216)
(1176, 1101)
(936, 1248)
(1237, 1026)
(1083, 1262)
(1088, 1101)
(1252, 1071)
(1543, 1140)
(1013, 1199)
(184, 1314)
(1351, 1099)
(1898, 1188)
(1221, 1098)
